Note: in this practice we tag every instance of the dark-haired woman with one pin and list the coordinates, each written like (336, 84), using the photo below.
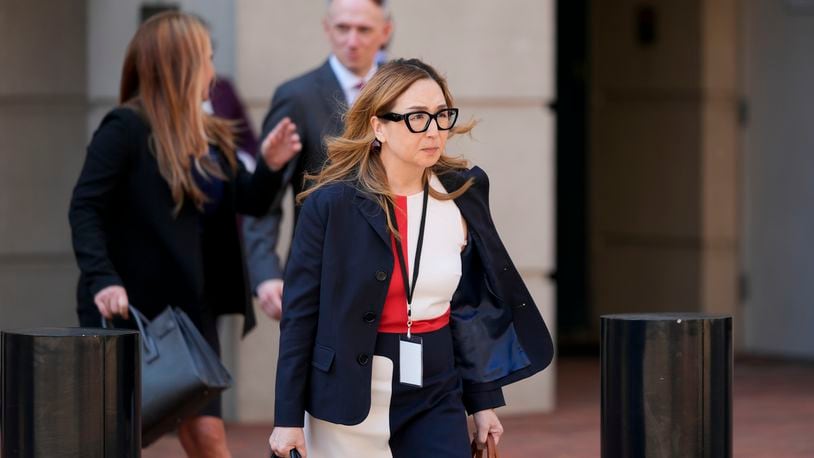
(153, 212)
(402, 310)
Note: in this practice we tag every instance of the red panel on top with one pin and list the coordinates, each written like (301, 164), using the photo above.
(394, 314)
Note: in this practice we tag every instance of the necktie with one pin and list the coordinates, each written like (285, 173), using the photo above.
(355, 92)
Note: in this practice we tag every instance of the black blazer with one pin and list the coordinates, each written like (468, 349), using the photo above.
(125, 233)
(338, 275)
(315, 102)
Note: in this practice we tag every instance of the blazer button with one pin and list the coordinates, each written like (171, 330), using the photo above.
(363, 359)
(381, 276)
(369, 317)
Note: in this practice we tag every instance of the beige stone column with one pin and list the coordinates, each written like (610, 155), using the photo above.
(663, 173)
(42, 127)
(721, 159)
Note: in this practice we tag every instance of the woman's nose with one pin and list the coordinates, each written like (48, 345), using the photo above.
(432, 129)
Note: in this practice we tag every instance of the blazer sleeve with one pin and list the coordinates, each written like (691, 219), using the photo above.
(475, 401)
(260, 239)
(107, 160)
(262, 234)
(256, 191)
(301, 301)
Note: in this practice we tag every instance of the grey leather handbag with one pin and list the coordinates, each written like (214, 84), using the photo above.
(180, 373)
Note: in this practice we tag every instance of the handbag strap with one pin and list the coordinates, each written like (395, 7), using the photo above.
(150, 348)
(490, 448)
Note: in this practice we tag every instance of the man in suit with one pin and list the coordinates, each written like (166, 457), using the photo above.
(315, 101)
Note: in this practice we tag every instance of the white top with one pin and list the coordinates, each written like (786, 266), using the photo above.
(444, 239)
(347, 80)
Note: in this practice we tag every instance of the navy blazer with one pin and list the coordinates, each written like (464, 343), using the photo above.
(336, 282)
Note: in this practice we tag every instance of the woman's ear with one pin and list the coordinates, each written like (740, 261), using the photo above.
(378, 128)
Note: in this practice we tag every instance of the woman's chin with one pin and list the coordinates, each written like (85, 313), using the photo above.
(428, 158)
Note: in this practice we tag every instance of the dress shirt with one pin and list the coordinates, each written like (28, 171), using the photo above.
(348, 80)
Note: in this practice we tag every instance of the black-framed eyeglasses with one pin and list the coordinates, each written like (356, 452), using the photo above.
(419, 121)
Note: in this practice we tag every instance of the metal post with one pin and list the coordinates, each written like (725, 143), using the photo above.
(666, 385)
(70, 392)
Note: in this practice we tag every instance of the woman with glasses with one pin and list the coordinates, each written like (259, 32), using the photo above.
(402, 310)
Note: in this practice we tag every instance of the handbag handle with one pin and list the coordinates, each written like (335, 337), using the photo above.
(150, 348)
(490, 448)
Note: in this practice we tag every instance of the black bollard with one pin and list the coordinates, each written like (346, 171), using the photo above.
(666, 385)
(72, 392)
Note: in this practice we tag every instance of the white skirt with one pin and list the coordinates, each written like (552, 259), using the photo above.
(370, 438)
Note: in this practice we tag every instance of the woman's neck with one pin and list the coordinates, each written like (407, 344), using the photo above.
(404, 181)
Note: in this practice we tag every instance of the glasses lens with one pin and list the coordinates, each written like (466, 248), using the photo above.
(418, 121)
(446, 119)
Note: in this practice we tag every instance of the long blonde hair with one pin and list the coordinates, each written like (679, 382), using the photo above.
(161, 80)
(352, 157)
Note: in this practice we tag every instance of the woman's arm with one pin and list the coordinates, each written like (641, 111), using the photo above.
(301, 303)
(298, 328)
(106, 162)
(256, 191)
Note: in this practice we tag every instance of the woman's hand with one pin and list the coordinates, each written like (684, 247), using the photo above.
(112, 301)
(281, 144)
(282, 440)
(486, 422)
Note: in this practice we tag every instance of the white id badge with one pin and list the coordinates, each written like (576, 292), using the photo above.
(411, 367)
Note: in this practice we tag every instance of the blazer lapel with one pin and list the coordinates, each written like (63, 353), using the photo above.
(374, 215)
(453, 180)
(331, 93)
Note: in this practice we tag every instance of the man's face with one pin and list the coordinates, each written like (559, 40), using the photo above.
(356, 30)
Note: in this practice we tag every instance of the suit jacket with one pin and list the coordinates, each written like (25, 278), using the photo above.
(336, 283)
(316, 103)
(125, 231)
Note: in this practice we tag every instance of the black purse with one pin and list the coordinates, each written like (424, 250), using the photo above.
(180, 373)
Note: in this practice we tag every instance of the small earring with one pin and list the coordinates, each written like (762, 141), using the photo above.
(376, 146)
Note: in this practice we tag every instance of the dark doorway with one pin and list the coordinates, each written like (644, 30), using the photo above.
(572, 275)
